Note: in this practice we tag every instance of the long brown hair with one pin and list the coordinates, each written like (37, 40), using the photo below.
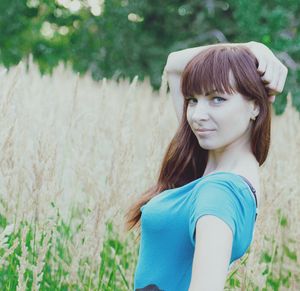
(184, 160)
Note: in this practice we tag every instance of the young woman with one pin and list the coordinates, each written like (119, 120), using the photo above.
(200, 215)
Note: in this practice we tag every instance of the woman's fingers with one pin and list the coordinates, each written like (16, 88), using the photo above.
(262, 66)
(273, 84)
(275, 81)
(268, 75)
(282, 79)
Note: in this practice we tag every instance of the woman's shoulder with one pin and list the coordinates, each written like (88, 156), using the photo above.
(226, 177)
(230, 182)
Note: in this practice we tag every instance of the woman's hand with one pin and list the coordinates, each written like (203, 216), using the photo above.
(273, 72)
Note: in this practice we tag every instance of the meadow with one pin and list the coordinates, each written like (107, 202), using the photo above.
(75, 153)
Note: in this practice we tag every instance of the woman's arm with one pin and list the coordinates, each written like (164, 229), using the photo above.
(213, 245)
(273, 72)
(177, 61)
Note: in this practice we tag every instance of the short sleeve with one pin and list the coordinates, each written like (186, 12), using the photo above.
(217, 199)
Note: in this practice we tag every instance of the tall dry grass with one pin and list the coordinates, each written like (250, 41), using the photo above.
(75, 153)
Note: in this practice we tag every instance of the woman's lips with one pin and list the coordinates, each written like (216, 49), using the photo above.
(204, 131)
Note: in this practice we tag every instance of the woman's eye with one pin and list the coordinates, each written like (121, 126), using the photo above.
(219, 98)
(191, 99)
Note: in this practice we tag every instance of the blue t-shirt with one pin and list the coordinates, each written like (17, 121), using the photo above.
(168, 224)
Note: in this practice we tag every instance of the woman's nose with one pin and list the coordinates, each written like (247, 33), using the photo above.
(201, 112)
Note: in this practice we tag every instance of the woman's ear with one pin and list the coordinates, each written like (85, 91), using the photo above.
(254, 108)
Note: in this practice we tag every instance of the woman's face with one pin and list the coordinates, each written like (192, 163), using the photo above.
(226, 115)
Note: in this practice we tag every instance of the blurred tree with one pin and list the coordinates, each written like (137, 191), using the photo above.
(124, 38)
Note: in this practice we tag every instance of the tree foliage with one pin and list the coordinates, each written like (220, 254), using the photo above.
(134, 37)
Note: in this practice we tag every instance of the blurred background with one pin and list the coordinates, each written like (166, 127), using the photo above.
(123, 38)
(86, 118)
